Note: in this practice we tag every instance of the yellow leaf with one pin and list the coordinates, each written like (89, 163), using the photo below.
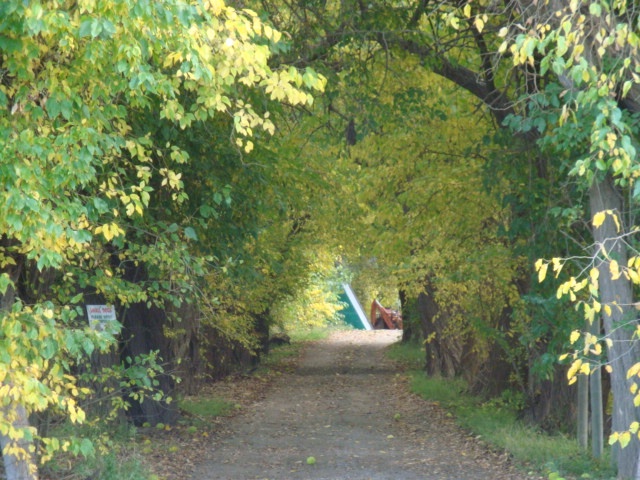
(580, 285)
(614, 269)
(557, 265)
(106, 232)
(585, 369)
(467, 10)
(624, 439)
(216, 6)
(130, 209)
(613, 438)
(598, 219)
(575, 335)
(542, 271)
(633, 371)
(615, 219)
(479, 23)
(607, 310)
(573, 369)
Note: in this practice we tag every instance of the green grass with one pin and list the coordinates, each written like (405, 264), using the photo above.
(410, 355)
(496, 423)
(206, 407)
(309, 334)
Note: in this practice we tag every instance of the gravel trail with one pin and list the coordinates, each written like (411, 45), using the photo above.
(349, 408)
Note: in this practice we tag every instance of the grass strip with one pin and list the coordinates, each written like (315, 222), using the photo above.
(556, 456)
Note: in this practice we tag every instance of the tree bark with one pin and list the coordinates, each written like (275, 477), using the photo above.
(18, 468)
(623, 351)
(408, 310)
(442, 353)
(595, 386)
(23, 468)
(583, 405)
(583, 411)
(143, 332)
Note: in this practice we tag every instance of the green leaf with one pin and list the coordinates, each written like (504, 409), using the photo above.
(66, 107)
(48, 349)
(96, 28)
(5, 281)
(53, 107)
(10, 45)
(190, 233)
(87, 345)
(86, 448)
(108, 28)
(85, 28)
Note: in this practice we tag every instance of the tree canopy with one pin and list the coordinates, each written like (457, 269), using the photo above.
(172, 154)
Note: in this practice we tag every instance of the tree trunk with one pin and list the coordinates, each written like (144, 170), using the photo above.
(583, 411)
(408, 317)
(623, 351)
(18, 468)
(24, 467)
(442, 353)
(143, 332)
(411, 324)
(262, 324)
(582, 406)
(595, 385)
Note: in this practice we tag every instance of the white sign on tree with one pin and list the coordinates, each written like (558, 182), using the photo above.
(100, 316)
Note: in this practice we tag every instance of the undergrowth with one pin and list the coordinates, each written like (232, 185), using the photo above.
(113, 460)
(496, 422)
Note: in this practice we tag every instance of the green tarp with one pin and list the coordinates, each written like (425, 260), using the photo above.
(353, 313)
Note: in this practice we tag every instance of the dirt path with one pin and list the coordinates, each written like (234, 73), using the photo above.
(349, 409)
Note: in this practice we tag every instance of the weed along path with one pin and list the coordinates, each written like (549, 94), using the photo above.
(345, 413)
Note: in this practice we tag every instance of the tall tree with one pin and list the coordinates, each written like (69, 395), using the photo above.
(75, 172)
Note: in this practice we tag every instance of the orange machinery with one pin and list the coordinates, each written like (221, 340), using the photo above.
(384, 318)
